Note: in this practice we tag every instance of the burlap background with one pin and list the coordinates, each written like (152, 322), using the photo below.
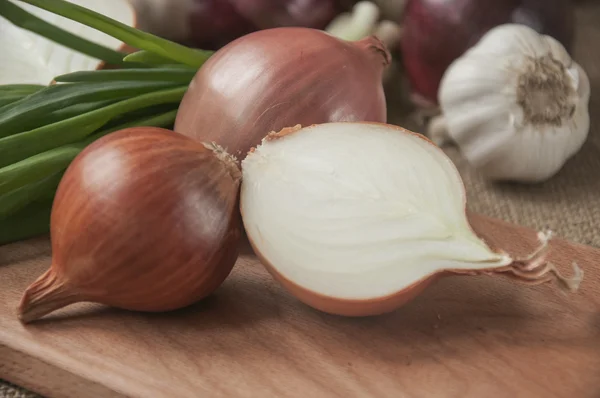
(569, 203)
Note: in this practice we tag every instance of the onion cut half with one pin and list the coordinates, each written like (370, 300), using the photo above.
(358, 218)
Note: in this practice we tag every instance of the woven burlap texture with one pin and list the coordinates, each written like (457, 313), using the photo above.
(568, 204)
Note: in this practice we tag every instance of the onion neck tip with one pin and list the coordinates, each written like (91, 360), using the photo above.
(230, 161)
(377, 48)
(45, 295)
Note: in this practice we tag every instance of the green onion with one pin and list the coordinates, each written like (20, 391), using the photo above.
(56, 97)
(148, 58)
(32, 220)
(46, 163)
(18, 147)
(23, 89)
(11, 93)
(14, 201)
(21, 146)
(28, 21)
(8, 99)
(37, 167)
(134, 37)
(173, 75)
(62, 114)
(164, 120)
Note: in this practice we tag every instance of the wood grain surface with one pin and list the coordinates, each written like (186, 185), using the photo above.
(463, 337)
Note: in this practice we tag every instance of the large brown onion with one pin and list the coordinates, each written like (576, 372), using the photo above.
(144, 219)
(281, 77)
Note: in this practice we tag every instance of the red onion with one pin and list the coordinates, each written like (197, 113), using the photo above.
(266, 14)
(214, 23)
(436, 32)
(282, 77)
(210, 24)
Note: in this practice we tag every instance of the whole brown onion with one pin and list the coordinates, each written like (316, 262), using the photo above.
(281, 77)
(144, 219)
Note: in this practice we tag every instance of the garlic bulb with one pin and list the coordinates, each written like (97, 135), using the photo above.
(358, 218)
(357, 24)
(516, 104)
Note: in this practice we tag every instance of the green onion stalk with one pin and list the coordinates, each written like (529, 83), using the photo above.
(43, 128)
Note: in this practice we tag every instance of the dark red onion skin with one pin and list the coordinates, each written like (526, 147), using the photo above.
(267, 14)
(215, 23)
(436, 32)
(282, 77)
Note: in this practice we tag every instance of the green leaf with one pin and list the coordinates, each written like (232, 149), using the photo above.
(37, 167)
(165, 120)
(42, 165)
(10, 99)
(14, 201)
(62, 114)
(17, 147)
(21, 146)
(148, 58)
(11, 93)
(39, 105)
(134, 37)
(32, 220)
(28, 21)
(173, 75)
(21, 89)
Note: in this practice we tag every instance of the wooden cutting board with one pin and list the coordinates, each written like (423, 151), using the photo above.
(463, 337)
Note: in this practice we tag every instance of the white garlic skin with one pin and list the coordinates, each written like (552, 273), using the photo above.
(479, 98)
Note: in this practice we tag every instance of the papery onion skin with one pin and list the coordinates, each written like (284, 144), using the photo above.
(276, 78)
(436, 32)
(144, 219)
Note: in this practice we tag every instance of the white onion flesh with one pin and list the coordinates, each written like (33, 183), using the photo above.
(28, 58)
(358, 210)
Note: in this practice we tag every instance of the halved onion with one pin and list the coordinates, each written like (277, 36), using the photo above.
(358, 218)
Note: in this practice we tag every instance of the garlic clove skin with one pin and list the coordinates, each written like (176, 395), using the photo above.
(358, 24)
(516, 104)
(357, 218)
